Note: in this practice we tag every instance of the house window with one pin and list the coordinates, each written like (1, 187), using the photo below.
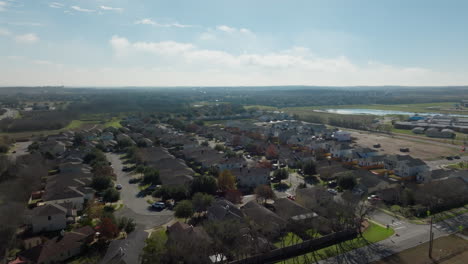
(49, 217)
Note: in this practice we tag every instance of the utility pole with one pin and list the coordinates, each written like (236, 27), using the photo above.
(431, 239)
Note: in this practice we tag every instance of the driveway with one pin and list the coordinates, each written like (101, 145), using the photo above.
(128, 250)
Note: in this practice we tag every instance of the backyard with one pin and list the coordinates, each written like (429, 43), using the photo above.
(374, 233)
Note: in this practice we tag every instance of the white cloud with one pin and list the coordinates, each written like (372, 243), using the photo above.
(4, 32)
(229, 29)
(79, 9)
(42, 62)
(147, 21)
(3, 5)
(27, 38)
(108, 8)
(188, 64)
(56, 5)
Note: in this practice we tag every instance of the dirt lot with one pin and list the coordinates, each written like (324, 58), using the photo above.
(447, 250)
(424, 150)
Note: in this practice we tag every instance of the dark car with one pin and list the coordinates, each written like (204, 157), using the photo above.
(456, 157)
(158, 206)
(449, 158)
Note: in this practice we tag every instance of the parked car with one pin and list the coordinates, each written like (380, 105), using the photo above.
(118, 186)
(158, 206)
(373, 198)
(125, 168)
(449, 158)
(456, 157)
(292, 197)
(274, 180)
(333, 191)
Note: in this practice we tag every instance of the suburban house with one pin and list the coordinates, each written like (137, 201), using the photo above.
(443, 133)
(172, 171)
(50, 217)
(342, 136)
(368, 183)
(232, 163)
(194, 240)
(341, 150)
(269, 223)
(371, 161)
(405, 166)
(55, 148)
(251, 177)
(60, 248)
(290, 210)
(314, 199)
(221, 210)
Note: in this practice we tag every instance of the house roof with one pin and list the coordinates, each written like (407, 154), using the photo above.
(287, 209)
(57, 245)
(48, 210)
(262, 216)
(222, 209)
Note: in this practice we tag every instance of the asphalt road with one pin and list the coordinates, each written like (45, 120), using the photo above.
(128, 250)
(406, 236)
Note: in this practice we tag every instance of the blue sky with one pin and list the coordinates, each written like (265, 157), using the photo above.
(242, 42)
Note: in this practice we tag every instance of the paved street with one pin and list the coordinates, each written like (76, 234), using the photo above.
(138, 209)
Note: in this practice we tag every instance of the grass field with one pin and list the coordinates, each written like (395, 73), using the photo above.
(418, 108)
(159, 233)
(447, 250)
(73, 125)
(459, 166)
(374, 233)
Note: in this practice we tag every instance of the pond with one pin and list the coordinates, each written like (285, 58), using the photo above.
(357, 111)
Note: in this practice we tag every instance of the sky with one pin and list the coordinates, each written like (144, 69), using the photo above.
(233, 43)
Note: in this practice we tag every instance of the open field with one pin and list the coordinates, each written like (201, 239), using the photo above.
(447, 250)
(443, 107)
(73, 125)
(392, 145)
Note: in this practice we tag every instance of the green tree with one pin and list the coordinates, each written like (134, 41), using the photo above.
(204, 184)
(309, 168)
(155, 249)
(281, 174)
(264, 192)
(151, 176)
(201, 202)
(226, 181)
(347, 182)
(219, 147)
(100, 183)
(184, 209)
(111, 195)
